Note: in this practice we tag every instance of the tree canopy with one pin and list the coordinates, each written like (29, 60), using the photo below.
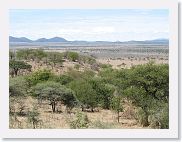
(54, 92)
(16, 66)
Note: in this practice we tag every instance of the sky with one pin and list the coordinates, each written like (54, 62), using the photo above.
(90, 24)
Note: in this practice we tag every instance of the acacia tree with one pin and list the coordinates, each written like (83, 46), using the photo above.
(16, 66)
(33, 117)
(18, 86)
(73, 56)
(85, 94)
(39, 76)
(54, 92)
(18, 90)
(116, 104)
(55, 58)
(11, 55)
(148, 87)
(23, 54)
(104, 92)
(30, 54)
(64, 79)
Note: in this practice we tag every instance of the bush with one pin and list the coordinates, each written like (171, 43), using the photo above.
(85, 94)
(142, 117)
(77, 66)
(64, 79)
(160, 118)
(72, 56)
(101, 125)
(39, 76)
(80, 122)
(18, 86)
(33, 118)
(55, 58)
(104, 66)
(30, 54)
(116, 104)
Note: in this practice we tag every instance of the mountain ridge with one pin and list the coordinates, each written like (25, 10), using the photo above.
(60, 39)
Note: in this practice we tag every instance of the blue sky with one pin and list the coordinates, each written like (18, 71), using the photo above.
(91, 24)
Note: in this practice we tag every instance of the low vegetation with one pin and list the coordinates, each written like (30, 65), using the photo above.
(77, 95)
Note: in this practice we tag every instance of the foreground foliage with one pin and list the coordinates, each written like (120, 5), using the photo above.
(145, 86)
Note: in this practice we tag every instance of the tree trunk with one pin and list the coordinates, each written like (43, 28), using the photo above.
(92, 109)
(16, 72)
(145, 119)
(118, 116)
(33, 124)
(82, 109)
(53, 107)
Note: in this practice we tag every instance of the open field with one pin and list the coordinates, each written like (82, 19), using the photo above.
(118, 55)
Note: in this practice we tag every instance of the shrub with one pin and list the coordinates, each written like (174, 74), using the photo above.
(147, 85)
(116, 104)
(77, 66)
(81, 121)
(142, 117)
(160, 118)
(101, 125)
(104, 66)
(18, 86)
(85, 94)
(64, 79)
(39, 76)
(72, 56)
(33, 117)
(55, 58)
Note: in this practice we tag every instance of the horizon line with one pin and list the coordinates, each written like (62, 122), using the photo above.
(89, 40)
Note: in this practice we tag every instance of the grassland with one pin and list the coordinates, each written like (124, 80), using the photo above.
(106, 87)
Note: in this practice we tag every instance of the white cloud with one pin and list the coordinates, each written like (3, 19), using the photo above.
(103, 30)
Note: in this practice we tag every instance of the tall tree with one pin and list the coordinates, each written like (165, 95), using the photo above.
(85, 94)
(54, 92)
(16, 66)
(148, 87)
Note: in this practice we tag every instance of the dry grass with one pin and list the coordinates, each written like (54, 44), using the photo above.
(61, 119)
(128, 62)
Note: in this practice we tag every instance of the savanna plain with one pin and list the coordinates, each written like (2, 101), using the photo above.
(116, 86)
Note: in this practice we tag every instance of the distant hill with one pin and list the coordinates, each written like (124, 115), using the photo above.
(21, 39)
(60, 39)
(155, 41)
(24, 39)
(54, 39)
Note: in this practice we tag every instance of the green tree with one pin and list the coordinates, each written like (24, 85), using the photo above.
(16, 66)
(104, 92)
(39, 76)
(64, 79)
(33, 117)
(73, 56)
(54, 92)
(39, 54)
(22, 54)
(85, 94)
(148, 86)
(30, 54)
(18, 86)
(116, 104)
(11, 55)
(55, 58)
